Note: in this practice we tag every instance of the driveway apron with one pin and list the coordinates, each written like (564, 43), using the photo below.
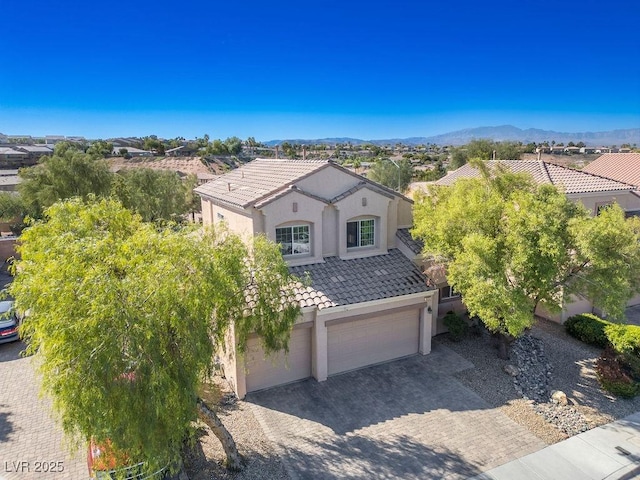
(405, 419)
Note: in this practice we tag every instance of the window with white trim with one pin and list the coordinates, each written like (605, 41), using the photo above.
(448, 293)
(294, 240)
(361, 233)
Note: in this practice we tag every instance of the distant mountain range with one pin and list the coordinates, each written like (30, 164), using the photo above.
(500, 133)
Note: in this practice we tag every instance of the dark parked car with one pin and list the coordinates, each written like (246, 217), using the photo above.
(8, 322)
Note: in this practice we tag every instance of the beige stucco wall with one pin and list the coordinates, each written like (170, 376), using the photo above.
(280, 213)
(405, 213)
(328, 182)
(626, 200)
(241, 222)
(350, 208)
(330, 231)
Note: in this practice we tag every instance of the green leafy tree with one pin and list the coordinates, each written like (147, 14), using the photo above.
(459, 157)
(69, 172)
(100, 149)
(12, 210)
(481, 148)
(156, 195)
(508, 150)
(153, 144)
(124, 318)
(385, 172)
(511, 245)
(289, 150)
(233, 145)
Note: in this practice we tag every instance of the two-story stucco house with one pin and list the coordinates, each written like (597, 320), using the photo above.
(367, 302)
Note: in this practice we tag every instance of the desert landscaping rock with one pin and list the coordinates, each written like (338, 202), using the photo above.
(532, 381)
(559, 397)
(511, 370)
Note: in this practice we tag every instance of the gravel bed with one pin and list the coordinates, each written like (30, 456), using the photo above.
(548, 360)
(205, 461)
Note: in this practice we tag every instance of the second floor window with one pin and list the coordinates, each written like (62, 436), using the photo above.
(294, 240)
(361, 233)
(448, 292)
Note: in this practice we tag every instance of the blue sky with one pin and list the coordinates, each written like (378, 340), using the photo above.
(296, 69)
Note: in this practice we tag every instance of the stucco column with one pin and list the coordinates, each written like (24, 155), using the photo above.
(435, 298)
(319, 359)
(425, 330)
(241, 378)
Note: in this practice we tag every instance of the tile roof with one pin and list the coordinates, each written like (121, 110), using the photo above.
(623, 167)
(405, 237)
(344, 282)
(358, 187)
(10, 151)
(568, 179)
(35, 148)
(258, 179)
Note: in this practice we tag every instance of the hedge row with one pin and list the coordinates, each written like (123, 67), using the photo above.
(591, 329)
(618, 368)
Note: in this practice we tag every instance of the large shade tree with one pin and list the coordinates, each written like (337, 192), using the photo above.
(393, 175)
(124, 318)
(156, 195)
(69, 172)
(511, 245)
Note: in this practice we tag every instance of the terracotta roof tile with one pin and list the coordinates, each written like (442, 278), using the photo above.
(623, 167)
(258, 179)
(567, 179)
(344, 282)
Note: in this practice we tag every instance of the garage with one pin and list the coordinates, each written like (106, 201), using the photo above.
(264, 372)
(372, 340)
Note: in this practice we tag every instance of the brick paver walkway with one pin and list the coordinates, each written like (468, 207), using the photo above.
(405, 419)
(31, 442)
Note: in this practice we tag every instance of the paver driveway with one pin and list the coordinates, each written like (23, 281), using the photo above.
(405, 419)
(29, 439)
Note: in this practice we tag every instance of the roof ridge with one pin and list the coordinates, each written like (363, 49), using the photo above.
(545, 171)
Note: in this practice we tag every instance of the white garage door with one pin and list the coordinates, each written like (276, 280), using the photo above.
(270, 371)
(372, 340)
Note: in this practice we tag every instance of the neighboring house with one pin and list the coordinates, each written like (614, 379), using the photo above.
(366, 303)
(623, 167)
(9, 180)
(132, 151)
(11, 157)
(174, 152)
(35, 151)
(53, 139)
(592, 190)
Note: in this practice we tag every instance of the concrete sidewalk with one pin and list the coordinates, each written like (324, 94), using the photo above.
(608, 452)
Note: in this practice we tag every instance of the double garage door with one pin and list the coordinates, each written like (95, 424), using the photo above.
(350, 345)
(368, 341)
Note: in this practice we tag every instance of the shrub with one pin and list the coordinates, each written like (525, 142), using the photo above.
(588, 328)
(613, 376)
(624, 338)
(457, 326)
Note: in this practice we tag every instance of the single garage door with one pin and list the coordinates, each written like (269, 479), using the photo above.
(372, 340)
(271, 371)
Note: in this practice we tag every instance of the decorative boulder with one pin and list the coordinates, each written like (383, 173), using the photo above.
(559, 397)
(511, 370)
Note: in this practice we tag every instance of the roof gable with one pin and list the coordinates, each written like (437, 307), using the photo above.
(268, 179)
